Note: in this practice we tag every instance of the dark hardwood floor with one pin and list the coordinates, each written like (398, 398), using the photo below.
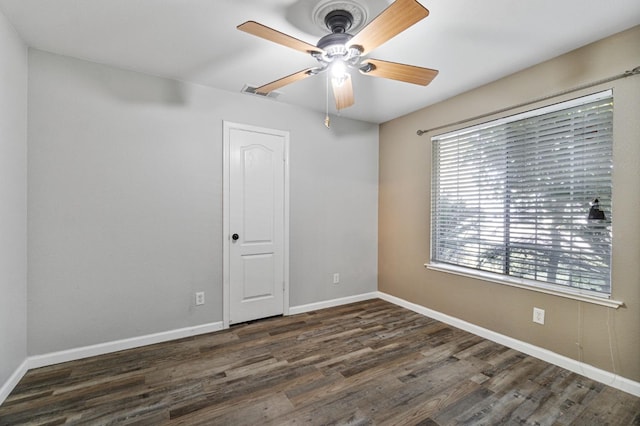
(365, 363)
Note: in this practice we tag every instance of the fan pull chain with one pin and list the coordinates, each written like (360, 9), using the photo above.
(327, 120)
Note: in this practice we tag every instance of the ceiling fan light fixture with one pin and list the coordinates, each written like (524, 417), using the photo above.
(339, 71)
(335, 48)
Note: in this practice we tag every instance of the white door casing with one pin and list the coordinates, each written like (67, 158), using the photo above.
(256, 223)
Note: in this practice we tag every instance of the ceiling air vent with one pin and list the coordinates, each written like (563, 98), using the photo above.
(252, 91)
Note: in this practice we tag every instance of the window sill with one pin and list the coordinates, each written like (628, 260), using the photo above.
(525, 284)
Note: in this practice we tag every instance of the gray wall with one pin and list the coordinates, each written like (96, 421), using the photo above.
(13, 200)
(125, 192)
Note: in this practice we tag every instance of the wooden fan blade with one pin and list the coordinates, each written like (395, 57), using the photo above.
(343, 92)
(275, 36)
(399, 16)
(270, 87)
(400, 72)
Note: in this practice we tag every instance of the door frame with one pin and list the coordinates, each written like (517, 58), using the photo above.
(227, 126)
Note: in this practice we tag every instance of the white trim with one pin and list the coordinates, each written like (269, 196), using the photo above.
(332, 303)
(226, 181)
(52, 358)
(37, 361)
(602, 376)
(583, 296)
(13, 380)
(286, 224)
(597, 374)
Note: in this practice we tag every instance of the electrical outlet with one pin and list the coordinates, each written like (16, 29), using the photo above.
(200, 298)
(336, 278)
(538, 315)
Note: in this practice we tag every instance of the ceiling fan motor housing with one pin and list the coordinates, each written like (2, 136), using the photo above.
(334, 45)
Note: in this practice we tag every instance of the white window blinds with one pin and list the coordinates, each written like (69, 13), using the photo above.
(513, 196)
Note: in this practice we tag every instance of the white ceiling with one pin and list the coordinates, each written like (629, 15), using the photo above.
(471, 42)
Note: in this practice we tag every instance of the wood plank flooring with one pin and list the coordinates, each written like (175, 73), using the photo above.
(365, 363)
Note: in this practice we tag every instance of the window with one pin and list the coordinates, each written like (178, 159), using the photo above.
(513, 197)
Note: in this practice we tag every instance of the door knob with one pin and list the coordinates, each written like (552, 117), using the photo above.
(235, 237)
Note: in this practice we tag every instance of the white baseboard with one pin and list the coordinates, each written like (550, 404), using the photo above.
(331, 303)
(597, 374)
(603, 376)
(119, 345)
(37, 361)
(13, 380)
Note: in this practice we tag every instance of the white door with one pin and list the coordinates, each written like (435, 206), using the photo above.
(256, 222)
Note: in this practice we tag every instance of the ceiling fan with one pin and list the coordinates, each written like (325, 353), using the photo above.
(340, 51)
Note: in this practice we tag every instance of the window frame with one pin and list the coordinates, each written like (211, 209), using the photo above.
(511, 280)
